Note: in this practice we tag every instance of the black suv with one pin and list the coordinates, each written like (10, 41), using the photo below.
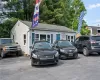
(88, 44)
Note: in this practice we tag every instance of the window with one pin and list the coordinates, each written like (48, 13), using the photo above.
(64, 44)
(95, 38)
(24, 39)
(13, 38)
(86, 38)
(81, 39)
(6, 41)
(42, 45)
(43, 37)
(72, 37)
(77, 40)
(98, 31)
(68, 38)
(36, 37)
(48, 38)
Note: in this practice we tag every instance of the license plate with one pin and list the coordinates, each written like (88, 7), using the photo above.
(70, 54)
(47, 57)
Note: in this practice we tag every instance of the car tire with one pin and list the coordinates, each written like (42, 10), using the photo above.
(76, 56)
(32, 63)
(2, 54)
(85, 51)
(99, 53)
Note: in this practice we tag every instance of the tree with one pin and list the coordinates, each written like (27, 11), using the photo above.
(5, 28)
(84, 30)
(59, 12)
(76, 9)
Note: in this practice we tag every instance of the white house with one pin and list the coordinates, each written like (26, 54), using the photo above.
(25, 35)
(94, 30)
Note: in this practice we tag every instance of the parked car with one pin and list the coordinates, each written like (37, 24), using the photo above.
(7, 46)
(43, 54)
(88, 44)
(65, 49)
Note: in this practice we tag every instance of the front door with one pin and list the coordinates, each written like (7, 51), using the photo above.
(57, 36)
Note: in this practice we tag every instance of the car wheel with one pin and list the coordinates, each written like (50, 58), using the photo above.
(85, 51)
(32, 63)
(99, 53)
(76, 56)
(2, 54)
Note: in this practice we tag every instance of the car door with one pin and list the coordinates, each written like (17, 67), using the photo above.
(78, 43)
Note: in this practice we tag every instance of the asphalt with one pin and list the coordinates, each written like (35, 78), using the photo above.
(19, 68)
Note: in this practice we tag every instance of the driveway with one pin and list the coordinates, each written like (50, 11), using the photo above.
(19, 68)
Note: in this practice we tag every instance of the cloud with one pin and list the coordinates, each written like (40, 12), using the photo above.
(91, 6)
(97, 21)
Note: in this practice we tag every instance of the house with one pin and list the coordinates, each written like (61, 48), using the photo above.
(25, 35)
(94, 30)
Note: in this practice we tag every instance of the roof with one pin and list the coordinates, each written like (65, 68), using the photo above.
(89, 36)
(48, 27)
(94, 27)
(5, 38)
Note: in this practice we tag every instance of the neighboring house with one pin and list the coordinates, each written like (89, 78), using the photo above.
(94, 30)
(25, 35)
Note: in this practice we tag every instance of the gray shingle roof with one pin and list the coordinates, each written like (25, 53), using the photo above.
(96, 27)
(49, 27)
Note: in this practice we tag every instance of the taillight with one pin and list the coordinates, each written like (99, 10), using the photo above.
(92, 41)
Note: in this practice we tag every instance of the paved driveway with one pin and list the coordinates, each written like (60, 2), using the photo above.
(84, 68)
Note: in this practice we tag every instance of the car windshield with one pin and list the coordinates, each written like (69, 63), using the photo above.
(64, 44)
(95, 38)
(6, 41)
(42, 45)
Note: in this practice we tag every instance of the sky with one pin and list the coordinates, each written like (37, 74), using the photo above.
(93, 12)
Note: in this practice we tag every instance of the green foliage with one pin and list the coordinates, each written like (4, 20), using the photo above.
(84, 30)
(59, 12)
(5, 28)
